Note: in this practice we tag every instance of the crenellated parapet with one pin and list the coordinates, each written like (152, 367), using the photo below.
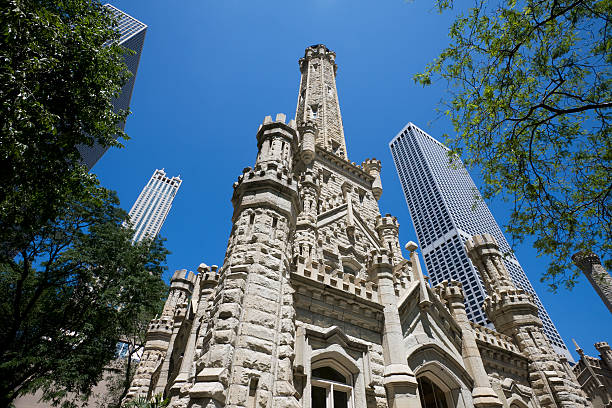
(270, 184)
(605, 352)
(277, 141)
(318, 51)
(590, 265)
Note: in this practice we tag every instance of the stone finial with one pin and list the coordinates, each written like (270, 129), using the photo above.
(411, 246)
(203, 268)
(578, 348)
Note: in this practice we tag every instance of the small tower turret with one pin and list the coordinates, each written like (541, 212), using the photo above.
(372, 167)
(514, 313)
(590, 265)
(605, 352)
(388, 232)
(276, 142)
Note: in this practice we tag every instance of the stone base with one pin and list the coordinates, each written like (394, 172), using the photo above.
(485, 397)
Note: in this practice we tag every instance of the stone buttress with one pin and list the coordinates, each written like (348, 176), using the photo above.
(152, 373)
(514, 313)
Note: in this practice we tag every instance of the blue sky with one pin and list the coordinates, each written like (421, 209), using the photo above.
(212, 70)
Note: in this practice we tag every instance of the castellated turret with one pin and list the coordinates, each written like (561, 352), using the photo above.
(387, 227)
(372, 167)
(514, 313)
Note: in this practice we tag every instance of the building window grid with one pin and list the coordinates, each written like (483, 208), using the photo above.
(415, 150)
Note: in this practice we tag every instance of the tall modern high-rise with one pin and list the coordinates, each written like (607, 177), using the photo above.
(446, 210)
(153, 204)
(132, 34)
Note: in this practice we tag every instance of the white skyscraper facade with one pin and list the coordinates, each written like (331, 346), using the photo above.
(153, 204)
(446, 210)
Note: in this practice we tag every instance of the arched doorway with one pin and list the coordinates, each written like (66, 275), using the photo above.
(431, 395)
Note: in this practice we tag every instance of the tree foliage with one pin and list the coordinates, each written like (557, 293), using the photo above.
(530, 92)
(68, 296)
(60, 68)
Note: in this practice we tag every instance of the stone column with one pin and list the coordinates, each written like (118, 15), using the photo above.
(483, 394)
(388, 232)
(590, 264)
(304, 244)
(400, 382)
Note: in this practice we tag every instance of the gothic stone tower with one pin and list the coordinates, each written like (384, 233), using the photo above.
(314, 305)
(514, 313)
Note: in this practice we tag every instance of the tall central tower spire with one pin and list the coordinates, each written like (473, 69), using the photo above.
(318, 98)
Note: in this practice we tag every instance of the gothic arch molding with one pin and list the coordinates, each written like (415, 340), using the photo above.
(335, 355)
(428, 356)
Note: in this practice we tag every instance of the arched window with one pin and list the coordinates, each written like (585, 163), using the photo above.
(431, 395)
(330, 388)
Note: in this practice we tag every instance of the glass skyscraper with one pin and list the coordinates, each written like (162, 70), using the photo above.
(132, 34)
(153, 204)
(447, 209)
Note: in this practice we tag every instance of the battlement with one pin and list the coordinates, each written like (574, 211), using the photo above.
(511, 303)
(338, 279)
(208, 274)
(482, 244)
(371, 165)
(450, 290)
(318, 51)
(182, 277)
(585, 259)
(277, 127)
(388, 221)
(380, 256)
(493, 338)
(265, 170)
